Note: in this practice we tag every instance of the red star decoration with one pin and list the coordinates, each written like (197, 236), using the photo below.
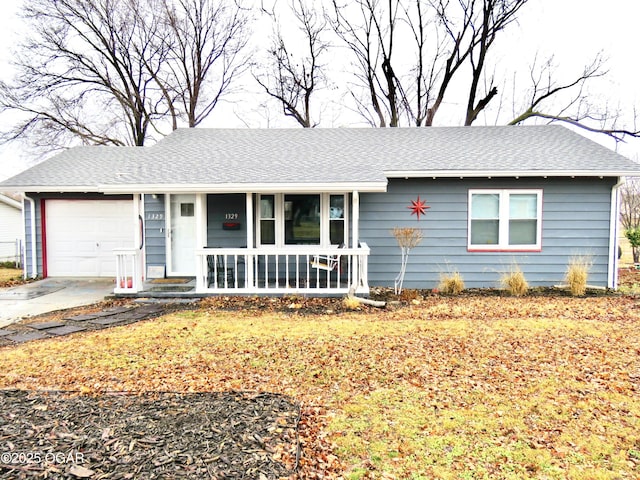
(418, 207)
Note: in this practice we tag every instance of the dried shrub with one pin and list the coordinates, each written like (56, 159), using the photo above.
(407, 239)
(351, 303)
(410, 294)
(577, 274)
(514, 281)
(451, 283)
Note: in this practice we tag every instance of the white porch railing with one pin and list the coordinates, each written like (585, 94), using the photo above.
(128, 270)
(294, 269)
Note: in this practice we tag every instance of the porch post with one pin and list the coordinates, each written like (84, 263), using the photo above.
(138, 216)
(201, 237)
(355, 235)
(249, 259)
(355, 216)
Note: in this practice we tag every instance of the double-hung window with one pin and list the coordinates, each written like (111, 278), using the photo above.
(505, 220)
(302, 219)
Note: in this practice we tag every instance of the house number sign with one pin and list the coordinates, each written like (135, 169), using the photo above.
(230, 216)
(155, 216)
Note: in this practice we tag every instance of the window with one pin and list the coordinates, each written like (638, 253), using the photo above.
(336, 220)
(302, 219)
(267, 220)
(505, 219)
(187, 210)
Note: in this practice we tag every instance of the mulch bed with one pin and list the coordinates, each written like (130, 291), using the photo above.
(231, 435)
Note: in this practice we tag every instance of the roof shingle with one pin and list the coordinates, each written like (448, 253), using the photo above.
(225, 158)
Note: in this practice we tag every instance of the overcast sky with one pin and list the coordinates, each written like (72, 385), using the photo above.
(572, 30)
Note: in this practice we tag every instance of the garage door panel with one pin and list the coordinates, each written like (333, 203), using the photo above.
(82, 234)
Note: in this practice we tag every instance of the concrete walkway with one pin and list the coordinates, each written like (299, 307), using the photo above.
(49, 295)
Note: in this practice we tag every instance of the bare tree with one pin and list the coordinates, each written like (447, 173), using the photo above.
(107, 72)
(207, 42)
(630, 203)
(371, 39)
(77, 75)
(444, 36)
(630, 214)
(568, 101)
(292, 79)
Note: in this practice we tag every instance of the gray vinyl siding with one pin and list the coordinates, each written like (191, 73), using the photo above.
(155, 231)
(28, 260)
(575, 221)
(218, 206)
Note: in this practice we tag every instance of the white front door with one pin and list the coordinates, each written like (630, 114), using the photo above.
(182, 235)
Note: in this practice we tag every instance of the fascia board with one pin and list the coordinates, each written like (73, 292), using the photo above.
(337, 187)
(54, 189)
(507, 173)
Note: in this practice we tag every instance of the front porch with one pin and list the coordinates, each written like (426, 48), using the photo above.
(305, 270)
(246, 244)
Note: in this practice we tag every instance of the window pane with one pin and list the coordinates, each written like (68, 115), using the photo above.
(336, 219)
(522, 232)
(303, 226)
(336, 207)
(267, 232)
(484, 232)
(336, 232)
(523, 205)
(187, 209)
(485, 205)
(266, 206)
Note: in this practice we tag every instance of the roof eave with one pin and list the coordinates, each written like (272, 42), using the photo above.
(338, 187)
(54, 188)
(506, 173)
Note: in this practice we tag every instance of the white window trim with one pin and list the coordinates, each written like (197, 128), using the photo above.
(503, 221)
(324, 219)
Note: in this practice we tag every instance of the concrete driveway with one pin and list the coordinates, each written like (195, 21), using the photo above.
(49, 295)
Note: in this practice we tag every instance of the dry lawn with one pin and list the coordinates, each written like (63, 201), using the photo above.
(10, 275)
(460, 388)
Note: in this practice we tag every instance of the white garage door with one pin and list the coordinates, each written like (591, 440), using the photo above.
(82, 234)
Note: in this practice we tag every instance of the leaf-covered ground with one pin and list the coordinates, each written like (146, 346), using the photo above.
(449, 387)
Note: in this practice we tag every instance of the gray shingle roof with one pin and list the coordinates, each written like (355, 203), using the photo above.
(220, 159)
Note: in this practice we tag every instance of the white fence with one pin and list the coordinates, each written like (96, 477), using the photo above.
(11, 251)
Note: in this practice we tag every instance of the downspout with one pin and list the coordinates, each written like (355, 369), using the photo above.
(34, 253)
(613, 239)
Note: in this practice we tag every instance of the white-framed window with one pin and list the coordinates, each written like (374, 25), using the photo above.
(302, 219)
(505, 219)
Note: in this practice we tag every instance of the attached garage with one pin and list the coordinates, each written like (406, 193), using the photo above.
(81, 235)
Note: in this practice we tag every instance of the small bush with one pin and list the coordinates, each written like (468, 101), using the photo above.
(514, 282)
(577, 274)
(451, 283)
(351, 303)
(410, 295)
